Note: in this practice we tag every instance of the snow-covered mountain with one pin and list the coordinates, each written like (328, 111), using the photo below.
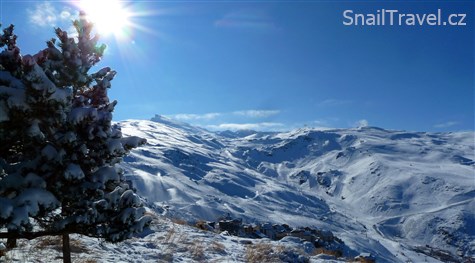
(401, 196)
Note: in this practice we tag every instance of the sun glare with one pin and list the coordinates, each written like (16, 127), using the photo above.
(110, 17)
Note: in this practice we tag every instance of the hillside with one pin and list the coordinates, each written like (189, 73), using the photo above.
(401, 196)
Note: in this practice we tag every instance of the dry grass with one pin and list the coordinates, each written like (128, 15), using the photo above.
(77, 246)
(179, 221)
(197, 250)
(49, 242)
(87, 260)
(336, 253)
(56, 242)
(47, 249)
(218, 248)
(174, 237)
(364, 260)
(263, 252)
(172, 240)
(170, 235)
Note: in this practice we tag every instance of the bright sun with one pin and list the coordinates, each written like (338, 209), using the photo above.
(110, 17)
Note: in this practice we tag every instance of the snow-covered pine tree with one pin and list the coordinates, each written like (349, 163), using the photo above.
(59, 148)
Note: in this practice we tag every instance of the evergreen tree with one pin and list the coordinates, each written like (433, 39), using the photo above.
(60, 150)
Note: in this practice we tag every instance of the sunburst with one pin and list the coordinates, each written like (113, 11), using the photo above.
(110, 17)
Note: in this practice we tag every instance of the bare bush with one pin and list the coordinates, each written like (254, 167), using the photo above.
(262, 252)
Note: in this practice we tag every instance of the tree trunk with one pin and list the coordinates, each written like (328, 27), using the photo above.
(11, 243)
(66, 249)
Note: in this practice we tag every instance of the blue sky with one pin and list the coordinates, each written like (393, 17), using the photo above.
(277, 65)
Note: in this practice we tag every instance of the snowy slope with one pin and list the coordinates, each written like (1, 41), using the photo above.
(399, 195)
(170, 242)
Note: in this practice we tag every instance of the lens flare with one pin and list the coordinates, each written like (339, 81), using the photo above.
(110, 17)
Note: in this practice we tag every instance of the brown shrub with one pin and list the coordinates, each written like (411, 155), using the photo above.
(336, 253)
(262, 252)
(179, 221)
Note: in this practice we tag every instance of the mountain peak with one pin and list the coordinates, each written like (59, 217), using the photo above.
(396, 185)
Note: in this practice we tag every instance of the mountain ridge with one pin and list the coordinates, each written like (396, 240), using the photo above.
(386, 192)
